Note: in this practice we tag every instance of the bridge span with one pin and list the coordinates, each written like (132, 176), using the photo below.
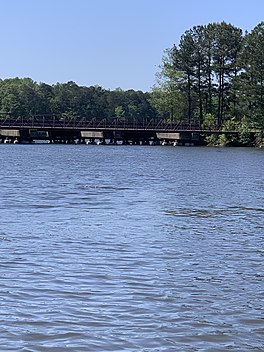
(57, 129)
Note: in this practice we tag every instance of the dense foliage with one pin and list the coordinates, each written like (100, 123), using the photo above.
(214, 77)
(22, 96)
(215, 74)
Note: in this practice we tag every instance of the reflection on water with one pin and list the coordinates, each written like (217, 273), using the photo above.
(123, 248)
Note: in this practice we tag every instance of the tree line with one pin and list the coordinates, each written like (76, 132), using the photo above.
(24, 97)
(213, 77)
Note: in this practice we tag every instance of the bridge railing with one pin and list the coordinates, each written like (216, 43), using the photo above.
(63, 122)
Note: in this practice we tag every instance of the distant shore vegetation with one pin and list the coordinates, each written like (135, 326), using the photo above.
(213, 77)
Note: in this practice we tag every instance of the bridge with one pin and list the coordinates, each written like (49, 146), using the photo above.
(61, 129)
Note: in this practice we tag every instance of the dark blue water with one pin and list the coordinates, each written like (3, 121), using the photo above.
(131, 248)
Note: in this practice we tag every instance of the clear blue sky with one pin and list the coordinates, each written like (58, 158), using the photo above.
(111, 43)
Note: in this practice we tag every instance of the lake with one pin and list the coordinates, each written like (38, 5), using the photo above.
(131, 248)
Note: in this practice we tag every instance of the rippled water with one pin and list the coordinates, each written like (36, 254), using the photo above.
(131, 248)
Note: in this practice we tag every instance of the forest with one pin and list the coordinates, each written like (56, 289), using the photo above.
(214, 76)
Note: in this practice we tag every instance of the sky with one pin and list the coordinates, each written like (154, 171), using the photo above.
(110, 43)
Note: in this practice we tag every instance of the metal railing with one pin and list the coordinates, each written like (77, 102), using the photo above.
(61, 122)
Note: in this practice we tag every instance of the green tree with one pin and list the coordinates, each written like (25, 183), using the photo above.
(167, 95)
(45, 95)
(120, 112)
(252, 77)
(19, 96)
(207, 58)
(228, 41)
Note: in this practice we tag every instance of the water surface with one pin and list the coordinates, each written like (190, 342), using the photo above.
(131, 248)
